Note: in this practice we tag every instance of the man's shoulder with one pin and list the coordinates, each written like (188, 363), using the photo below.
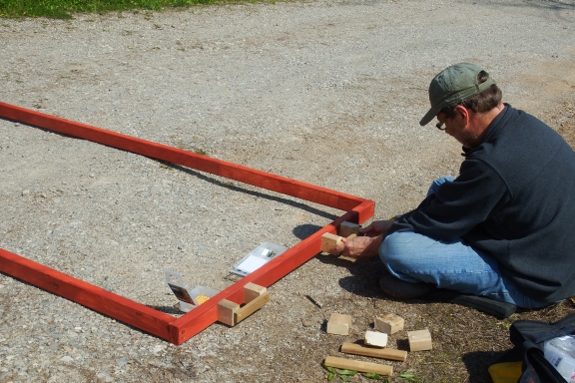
(521, 146)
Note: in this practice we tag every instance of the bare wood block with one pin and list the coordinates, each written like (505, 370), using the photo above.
(251, 307)
(329, 240)
(348, 364)
(339, 324)
(419, 340)
(389, 323)
(383, 353)
(347, 228)
(376, 339)
(252, 291)
(226, 312)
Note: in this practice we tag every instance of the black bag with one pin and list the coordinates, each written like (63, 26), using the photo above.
(528, 337)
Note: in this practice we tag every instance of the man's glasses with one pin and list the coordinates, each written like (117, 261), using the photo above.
(440, 125)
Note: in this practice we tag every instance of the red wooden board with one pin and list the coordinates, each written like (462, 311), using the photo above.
(176, 330)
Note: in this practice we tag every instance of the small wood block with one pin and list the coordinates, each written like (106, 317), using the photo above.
(253, 291)
(339, 324)
(419, 340)
(251, 307)
(226, 312)
(383, 353)
(389, 323)
(348, 364)
(376, 339)
(329, 240)
(347, 228)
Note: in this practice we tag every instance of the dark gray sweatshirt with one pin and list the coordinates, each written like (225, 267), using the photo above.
(514, 199)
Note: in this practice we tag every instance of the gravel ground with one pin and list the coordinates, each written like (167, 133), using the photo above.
(325, 92)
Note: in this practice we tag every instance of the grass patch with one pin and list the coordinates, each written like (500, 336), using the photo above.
(63, 9)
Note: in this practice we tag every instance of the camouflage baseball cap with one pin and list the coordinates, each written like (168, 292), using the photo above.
(453, 85)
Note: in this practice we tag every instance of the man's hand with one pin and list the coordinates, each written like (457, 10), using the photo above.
(358, 247)
(376, 228)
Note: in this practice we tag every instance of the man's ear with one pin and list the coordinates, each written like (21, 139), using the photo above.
(464, 112)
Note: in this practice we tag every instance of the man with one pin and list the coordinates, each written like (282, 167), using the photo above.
(505, 227)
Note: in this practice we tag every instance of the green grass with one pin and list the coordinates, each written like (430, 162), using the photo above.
(63, 9)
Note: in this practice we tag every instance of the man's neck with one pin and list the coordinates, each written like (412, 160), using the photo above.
(484, 120)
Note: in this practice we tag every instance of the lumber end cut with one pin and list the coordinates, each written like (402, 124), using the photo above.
(419, 340)
(389, 323)
(339, 324)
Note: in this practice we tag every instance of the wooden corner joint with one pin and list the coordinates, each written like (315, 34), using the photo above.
(231, 313)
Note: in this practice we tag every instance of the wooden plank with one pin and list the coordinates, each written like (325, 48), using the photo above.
(177, 156)
(93, 297)
(137, 315)
(383, 353)
(349, 364)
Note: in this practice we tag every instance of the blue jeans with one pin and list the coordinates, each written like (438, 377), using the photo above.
(455, 265)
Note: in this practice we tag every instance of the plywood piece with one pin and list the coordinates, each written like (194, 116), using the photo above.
(347, 228)
(329, 240)
(339, 324)
(389, 323)
(419, 340)
(376, 339)
(383, 353)
(348, 364)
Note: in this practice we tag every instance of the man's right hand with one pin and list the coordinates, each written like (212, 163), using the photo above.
(358, 247)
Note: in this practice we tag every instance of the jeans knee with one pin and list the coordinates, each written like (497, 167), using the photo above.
(392, 251)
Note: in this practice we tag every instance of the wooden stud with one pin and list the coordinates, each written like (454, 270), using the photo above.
(175, 330)
(347, 228)
(96, 298)
(419, 340)
(329, 240)
(383, 353)
(339, 324)
(389, 323)
(348, 364)
(376, 339)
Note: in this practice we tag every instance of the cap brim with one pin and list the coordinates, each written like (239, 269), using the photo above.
(430, 115)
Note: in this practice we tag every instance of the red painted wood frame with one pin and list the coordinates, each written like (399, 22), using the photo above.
(175, 330)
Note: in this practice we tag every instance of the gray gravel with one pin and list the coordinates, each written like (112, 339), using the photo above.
(326, 92)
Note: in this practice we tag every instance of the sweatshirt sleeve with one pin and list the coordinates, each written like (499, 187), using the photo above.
(459, 206)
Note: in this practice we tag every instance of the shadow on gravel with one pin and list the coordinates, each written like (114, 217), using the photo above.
(363, 281)
(228, 185)
(305, 230)
(172, 310)
(225, 184)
